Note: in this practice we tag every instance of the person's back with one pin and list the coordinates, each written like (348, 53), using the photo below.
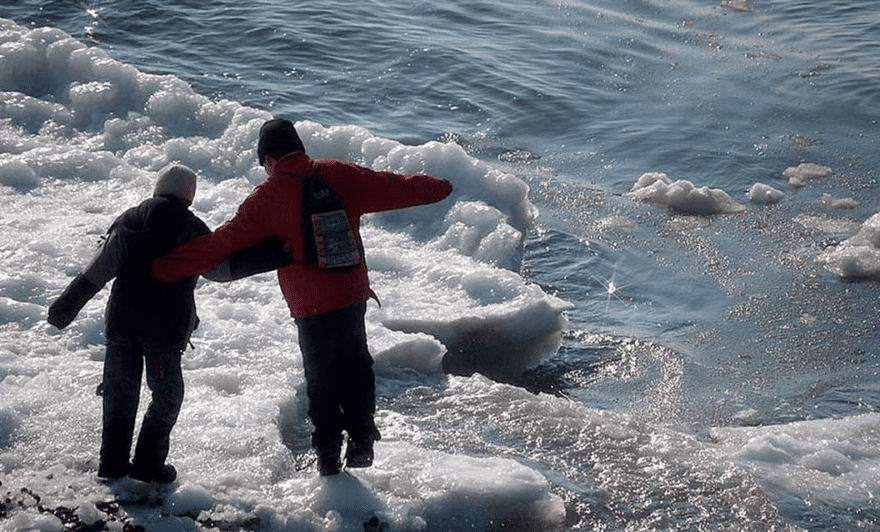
(274, 208)
(139, 304)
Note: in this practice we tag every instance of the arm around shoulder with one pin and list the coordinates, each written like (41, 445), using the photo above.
(268, 255)
(191, 258)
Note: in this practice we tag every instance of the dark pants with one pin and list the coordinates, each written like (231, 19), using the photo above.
(124, 362)
(339, 373)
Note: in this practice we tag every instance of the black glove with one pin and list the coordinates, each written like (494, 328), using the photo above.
(71, 301)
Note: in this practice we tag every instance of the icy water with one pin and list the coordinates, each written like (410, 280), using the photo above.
(718, 361)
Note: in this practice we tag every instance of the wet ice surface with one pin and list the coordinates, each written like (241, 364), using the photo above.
(671, 421)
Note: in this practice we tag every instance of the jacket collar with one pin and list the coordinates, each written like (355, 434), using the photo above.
(297, 163)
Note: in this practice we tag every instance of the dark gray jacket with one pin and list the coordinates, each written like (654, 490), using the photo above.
(139, 304)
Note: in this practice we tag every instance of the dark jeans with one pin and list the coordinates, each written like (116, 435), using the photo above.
(124, 362)
(339, 373)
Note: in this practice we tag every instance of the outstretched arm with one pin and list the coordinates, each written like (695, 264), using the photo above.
(63, 311)
(104, 266)
(383, 191)
(204, 252)
(268, 255)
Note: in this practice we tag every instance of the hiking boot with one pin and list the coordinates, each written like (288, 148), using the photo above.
(329, 464)
(328, 450)
(165, 474)
(359, 451)
(113, 472)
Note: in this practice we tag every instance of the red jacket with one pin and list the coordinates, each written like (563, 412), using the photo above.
(274, 209)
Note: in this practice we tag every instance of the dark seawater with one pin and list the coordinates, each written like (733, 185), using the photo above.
(699, 321)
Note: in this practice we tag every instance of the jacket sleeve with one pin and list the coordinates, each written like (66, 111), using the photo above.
(110, 256)
(384, 191)
(268, 255)
(63, 311)
(104, 266)
(207, 251)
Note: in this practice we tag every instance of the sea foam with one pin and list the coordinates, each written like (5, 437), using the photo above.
(81, 137)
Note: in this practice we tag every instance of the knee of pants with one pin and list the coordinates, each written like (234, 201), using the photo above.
(123, 363)
(172, 398)
(163, 371)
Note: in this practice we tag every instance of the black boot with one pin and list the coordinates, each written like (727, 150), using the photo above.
(328, 450)
(359, 451)
(108, 471)
(164, 474)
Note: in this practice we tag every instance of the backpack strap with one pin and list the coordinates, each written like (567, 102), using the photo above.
(330, 241)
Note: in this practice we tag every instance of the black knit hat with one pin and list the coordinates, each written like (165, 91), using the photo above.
(278, 138)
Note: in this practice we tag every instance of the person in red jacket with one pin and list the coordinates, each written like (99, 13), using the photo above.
(327, 303)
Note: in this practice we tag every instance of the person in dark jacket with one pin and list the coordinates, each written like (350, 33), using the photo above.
(147, 323)
(328, 304)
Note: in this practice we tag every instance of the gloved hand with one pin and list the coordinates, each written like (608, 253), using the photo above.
(71, 301)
